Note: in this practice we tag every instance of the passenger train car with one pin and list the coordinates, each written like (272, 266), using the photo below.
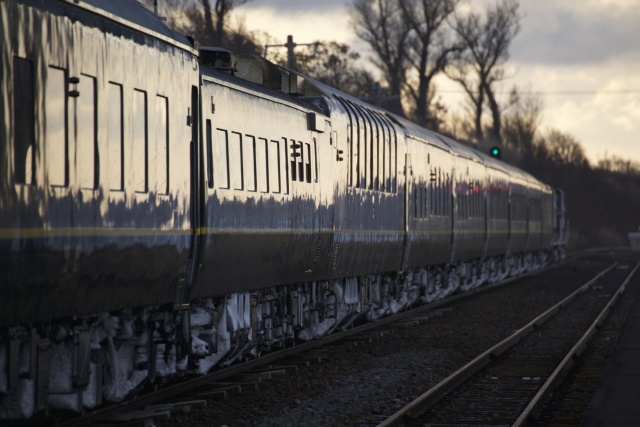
(166, 208)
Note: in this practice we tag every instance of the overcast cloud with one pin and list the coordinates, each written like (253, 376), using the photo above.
(577, 32)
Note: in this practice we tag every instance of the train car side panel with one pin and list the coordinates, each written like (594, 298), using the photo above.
(94, 212)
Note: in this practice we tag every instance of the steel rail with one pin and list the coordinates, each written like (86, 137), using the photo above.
(432, 396)
(569, 360)
(182, 387)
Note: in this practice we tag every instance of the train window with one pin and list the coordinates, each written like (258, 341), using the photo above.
(366, 144)
(235, 161)
(86, 143)
(56, 157)
(375, 153)
(23, 122)
(274, 166)
(162, 145)
(380, 150)
(315, 159)
(284, 162)
(140, 159)
(249, 162)
(223, 158)
(262, 165)
(295, 153)
(352, 144)
(361, 150)
(115, 137)
(393, 159)
(301, 161)
(307, 161)
(209, 142)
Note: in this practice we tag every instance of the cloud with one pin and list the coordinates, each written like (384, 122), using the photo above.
(584, 32)
(295, 6)
(305, 25)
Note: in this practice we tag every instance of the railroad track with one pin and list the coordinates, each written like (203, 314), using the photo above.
(182, 396)
(510, 382)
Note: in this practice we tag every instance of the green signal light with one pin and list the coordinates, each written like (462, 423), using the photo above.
(495, 152)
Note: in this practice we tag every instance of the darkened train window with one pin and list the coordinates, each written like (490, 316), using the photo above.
(23, 122)
(140, 141)
(56, 157)
(115, 139)
(307, 161)
(274, 166)
(86, 144)
(235, 160)
(295, 154)
(209, 142)
(315, 159)
(380, 141)
(301, 161)
(365, 148)
(262, 165)
(355, 144)
(162, 145)
(223, 158)
(375, 152)
(352, 144)
(284, 162)
(249, 162)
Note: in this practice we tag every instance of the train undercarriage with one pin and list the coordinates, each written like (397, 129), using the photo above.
(79, 363)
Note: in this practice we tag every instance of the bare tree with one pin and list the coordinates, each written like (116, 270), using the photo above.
(619, 165)
(486, 39)
(430, 47)
(521, 122)
(207, 20)
(562, 150)
(380, 24)
(335, 64)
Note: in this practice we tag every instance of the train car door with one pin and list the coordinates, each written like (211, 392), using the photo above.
(196, 190)
(408, 173)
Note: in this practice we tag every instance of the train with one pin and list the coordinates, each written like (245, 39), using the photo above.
(167, 208)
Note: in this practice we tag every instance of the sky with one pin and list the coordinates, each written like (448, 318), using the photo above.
(582, 57)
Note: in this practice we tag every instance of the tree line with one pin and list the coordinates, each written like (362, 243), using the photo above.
(414, 41)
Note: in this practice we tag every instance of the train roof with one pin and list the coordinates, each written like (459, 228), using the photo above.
(134, 15)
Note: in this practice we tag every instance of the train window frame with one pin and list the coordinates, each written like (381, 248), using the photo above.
(301, 161)
(284, 163)
(24, 122)
(57, 150)
(162, 145)
(262, 165)
(273, 153)
(294, 160)
(222, 151)
(315, 159)
(115, 140)
(249, 163)
(209, 152)
(236, 174)
(140, 141)
(307, 163)
(86, 131)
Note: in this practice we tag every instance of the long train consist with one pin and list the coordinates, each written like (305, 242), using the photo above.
(165, 208)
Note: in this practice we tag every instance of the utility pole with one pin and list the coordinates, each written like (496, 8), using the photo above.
(291, 57)
(290, 45)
